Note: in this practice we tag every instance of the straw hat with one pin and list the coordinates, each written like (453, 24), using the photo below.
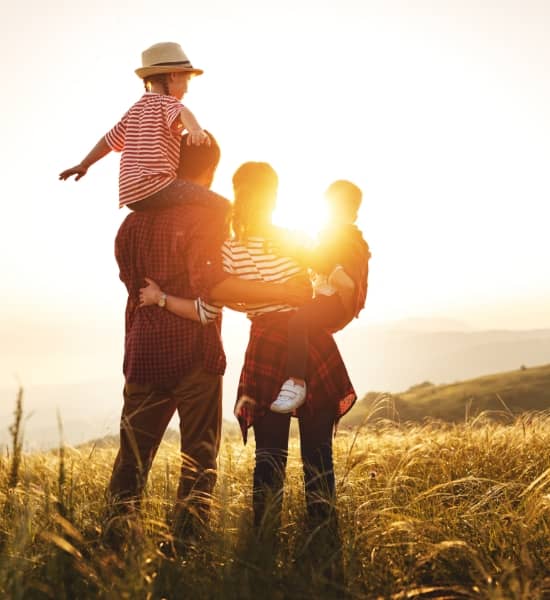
(166, 57)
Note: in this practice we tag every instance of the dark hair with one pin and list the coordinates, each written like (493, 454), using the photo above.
(255, 190)
(344, 197)
(195, 160)
(159, 78)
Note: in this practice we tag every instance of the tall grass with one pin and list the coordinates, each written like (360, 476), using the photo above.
(427, 511)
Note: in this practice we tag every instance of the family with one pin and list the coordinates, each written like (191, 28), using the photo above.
(184, 252)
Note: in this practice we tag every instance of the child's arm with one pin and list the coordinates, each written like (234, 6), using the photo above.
(345, 286)
(100, 150)
(197, 135)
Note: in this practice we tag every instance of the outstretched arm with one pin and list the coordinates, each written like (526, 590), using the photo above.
(100, 150)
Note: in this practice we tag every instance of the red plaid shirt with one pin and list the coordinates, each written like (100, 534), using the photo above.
(264, 370)
(180, 249)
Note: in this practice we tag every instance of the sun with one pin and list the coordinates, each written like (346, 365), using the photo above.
(300, 209)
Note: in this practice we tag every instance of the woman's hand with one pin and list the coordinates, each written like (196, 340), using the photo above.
(297, 291)
(151, 294)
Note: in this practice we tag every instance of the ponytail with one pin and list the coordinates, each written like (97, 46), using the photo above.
(255, 187)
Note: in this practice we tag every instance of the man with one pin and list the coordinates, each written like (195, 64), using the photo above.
(173, 364)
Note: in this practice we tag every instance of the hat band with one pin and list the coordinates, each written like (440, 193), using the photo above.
(169, 64)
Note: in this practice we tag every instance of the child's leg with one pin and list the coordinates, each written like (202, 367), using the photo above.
(180, 192)
(298, 341)
(323, 312)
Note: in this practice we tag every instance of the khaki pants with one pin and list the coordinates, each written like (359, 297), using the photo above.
(145, 416)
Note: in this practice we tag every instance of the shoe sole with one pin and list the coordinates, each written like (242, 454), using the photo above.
(285, 411)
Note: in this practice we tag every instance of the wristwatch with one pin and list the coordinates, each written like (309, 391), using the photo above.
(162, 301)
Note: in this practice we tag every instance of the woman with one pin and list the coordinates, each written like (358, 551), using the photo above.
(252, 254)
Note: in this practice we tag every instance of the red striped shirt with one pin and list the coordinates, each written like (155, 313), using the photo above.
(149, 137)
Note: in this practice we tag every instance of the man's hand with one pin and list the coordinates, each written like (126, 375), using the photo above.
(80, 170)
(151, 294)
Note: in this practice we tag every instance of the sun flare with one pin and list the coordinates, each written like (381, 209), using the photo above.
(300, 210)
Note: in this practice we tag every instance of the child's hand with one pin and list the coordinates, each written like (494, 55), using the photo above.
(80, 170)
(151, 294)
(197, 137)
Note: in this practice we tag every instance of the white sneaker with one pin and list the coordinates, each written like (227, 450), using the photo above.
(291, 396)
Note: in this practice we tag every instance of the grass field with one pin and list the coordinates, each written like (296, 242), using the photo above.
(431, 511)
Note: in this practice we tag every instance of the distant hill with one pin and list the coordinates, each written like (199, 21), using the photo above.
(511, 392)
(390, 358)
(395, 358)
(502, 395)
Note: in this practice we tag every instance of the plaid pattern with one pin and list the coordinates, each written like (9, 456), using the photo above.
(179, 248)
(264, 371)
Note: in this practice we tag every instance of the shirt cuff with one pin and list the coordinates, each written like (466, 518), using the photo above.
(207, 312)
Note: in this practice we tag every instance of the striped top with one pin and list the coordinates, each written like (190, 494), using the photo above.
(148, 136)
(254, 260)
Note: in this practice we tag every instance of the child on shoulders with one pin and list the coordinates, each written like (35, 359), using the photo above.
(149, 133)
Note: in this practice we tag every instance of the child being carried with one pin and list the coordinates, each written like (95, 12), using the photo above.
(340, 266)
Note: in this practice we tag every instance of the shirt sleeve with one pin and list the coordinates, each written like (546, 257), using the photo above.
(207, 312)
(173, 109)
(203, 250)
(116, 137)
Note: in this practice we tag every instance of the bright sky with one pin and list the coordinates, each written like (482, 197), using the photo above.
(438, 109)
